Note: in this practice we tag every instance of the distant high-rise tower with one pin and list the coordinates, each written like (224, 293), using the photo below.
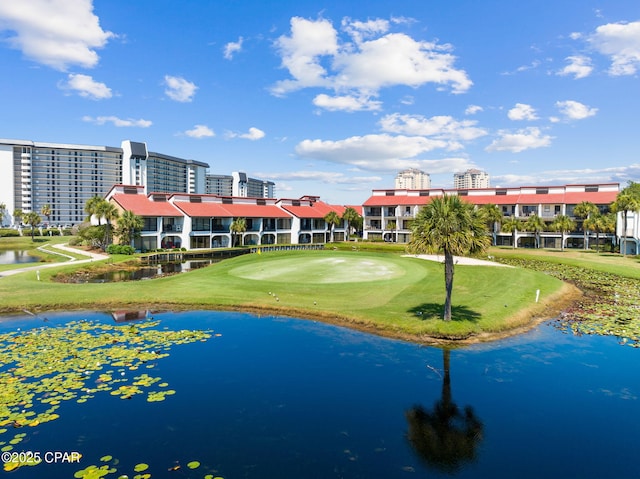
(471, 179)
(413, 179)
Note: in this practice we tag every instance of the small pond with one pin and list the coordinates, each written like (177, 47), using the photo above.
(281, 398)
(137, 273)
(16, 257)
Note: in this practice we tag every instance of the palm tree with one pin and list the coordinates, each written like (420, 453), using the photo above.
(110, 213)
(494, 217)
(536, 225)
(92, 206)
(3, 212)
(451, 226)
(129, 227)
(512, 225)
(46, 210)
(585, 210)
(238, 226)
(600, 223)
(447, 437)
(563, 224)
(624, 203)
(352, 217)
(332, 219)
(33, 219)
(17, 215)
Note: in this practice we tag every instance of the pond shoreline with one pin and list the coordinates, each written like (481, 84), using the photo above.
(524, 321)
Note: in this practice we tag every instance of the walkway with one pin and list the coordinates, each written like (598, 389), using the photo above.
(62, 247)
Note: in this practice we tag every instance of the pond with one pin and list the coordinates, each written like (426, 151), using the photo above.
(273, 397)
(16, 257)
(136, 273)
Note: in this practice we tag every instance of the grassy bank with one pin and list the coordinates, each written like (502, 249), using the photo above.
(379, 292)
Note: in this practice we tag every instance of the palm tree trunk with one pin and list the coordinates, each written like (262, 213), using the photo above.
(624, 235)
(448, 281)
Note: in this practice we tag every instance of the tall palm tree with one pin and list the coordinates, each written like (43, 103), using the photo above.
(238, 226)
(46, 210)
(447, 437)
(451, 226)
(92, 206)
(129, 227)
(536, 225)
(107, 211)
(352, 217)
(494, 217)
(512, 225)
(332, 219)
(3, 212)
(624, 203)
(33, 219)
(563, 224)
(585, 210)
(18, 214)
(599, 223)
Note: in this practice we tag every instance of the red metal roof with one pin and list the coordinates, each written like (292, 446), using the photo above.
(255, 211)
(141, 205)
(318, 209)
(203, 209)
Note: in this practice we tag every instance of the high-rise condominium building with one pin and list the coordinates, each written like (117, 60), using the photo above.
(413, 179)
(471, 179)
(65, 176)
(239, 184)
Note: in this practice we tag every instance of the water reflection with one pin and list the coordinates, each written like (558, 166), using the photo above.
(445, 438)
(17, 257)
(144, 272)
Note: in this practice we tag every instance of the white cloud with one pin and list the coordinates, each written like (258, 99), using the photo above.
(56, 33)
(520, 140)
(522, 111)
(621, 42)
(346, 103)
(86, 87)
(473, 109)
(119, 122)
(200, 131)
(439, 127)
(579, 66)
(179, 89)
(575, 110)
(232, 47)
(329, 177)
(614, 174)
(315, 56)
(253, 134)
(381, 153)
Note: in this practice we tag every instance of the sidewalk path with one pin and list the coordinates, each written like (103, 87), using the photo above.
(62, 247)
(457, 260)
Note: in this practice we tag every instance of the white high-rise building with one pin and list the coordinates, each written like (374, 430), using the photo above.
(471, 179)
(65, 176)
(413, 179)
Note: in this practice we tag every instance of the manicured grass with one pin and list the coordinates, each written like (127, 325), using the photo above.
(614, 263)
(381, 292)
(24, 243)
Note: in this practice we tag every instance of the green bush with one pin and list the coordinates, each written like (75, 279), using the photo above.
(120, 249)
(8, 232)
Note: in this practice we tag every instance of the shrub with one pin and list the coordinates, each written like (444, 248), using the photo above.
(120, 249)
(7, 232)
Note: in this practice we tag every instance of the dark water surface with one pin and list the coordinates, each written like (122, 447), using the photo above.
(285, 398)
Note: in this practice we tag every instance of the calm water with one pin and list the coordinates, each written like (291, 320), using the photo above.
(285, 398)
(15, 257)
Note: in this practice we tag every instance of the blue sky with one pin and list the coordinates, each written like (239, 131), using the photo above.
(334, 98)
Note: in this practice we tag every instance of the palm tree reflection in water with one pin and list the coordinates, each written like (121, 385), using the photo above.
(445, 438)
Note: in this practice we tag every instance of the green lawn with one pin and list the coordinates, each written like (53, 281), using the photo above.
(381, 292)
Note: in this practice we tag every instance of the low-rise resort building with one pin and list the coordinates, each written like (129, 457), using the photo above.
(193, 221)
(388, 214)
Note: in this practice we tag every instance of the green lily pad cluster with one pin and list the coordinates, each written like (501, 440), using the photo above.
(610, 306)
(109, 467)
(43, 367)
